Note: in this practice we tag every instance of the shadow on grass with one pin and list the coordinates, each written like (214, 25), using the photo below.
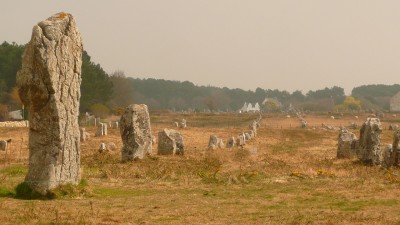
(24, 192)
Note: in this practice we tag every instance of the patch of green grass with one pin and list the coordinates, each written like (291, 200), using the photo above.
(5, 192)
(285, 147)
(14, 171)
(24, 191)
(168, 219)
(348, 206)
(71, 190)
(104, 192)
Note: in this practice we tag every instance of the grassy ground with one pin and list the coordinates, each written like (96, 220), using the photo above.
(286, 175)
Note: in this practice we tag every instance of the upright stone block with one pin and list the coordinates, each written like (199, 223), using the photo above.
(49, 85)
(370, 142)
(135, 132)
(347, 142)
(170, 142)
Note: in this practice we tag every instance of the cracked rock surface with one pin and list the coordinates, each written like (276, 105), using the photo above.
(135, 132)
(49, 85)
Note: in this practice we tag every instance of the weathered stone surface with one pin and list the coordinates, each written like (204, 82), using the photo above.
(84, 136)
(182, 124)
(253, 126)
(176, 124)
(111, 146)
(303, 123)
(388, 156)
(114, 125)
(103, 147)
(220, 143)
(252, 134)
(135, 132)
(215, 142)
(49, 85)
(231, 142)
(3, 145)
(153, 139)
(247, 136)
(212, 143)
(240, 140)
(24, 123)
(393, 127)
(370, 142)
(101, 130)
(170, 142)
(393, 154)
(347, 142)
(353, 125)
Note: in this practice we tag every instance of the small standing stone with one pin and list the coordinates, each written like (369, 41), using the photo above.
(101, 130)
(240, 140)
(111, 146)
(170, 142)
(370, 142)
(135, 132)
(212, 143)
(3, 145)
(182, 124)
(103, 147)
(220, 143)
(347, 142)
(231, 142)
(84, 135)
(114, 125)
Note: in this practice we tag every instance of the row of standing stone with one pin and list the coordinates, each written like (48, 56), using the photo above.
(216, 142)
(368, 147)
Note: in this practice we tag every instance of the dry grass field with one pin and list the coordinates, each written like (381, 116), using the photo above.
(286, 175)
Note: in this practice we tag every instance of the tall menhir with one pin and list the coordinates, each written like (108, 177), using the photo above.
(49, 85)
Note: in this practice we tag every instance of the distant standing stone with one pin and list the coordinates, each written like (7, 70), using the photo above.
(84, 136)
(135, 132)
(212, 143)
(3, 145)
(231, 142)
(101, 130)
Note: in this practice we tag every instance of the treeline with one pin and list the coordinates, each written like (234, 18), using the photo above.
(161, 94)
(104, 93)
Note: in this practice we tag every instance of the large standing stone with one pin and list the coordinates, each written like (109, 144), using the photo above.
(170, 142)
(370, 142)
(49, 85)
(135, 132)
(347, 142)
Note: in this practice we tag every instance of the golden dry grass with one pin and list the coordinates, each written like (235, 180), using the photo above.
(293, 178)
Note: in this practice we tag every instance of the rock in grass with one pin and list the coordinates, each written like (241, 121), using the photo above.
(170, 142)
(135, 132)
(370, 142)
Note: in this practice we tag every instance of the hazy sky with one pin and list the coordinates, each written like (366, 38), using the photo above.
(291, 45)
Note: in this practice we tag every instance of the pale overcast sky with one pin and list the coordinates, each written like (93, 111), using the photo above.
(281, 44)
